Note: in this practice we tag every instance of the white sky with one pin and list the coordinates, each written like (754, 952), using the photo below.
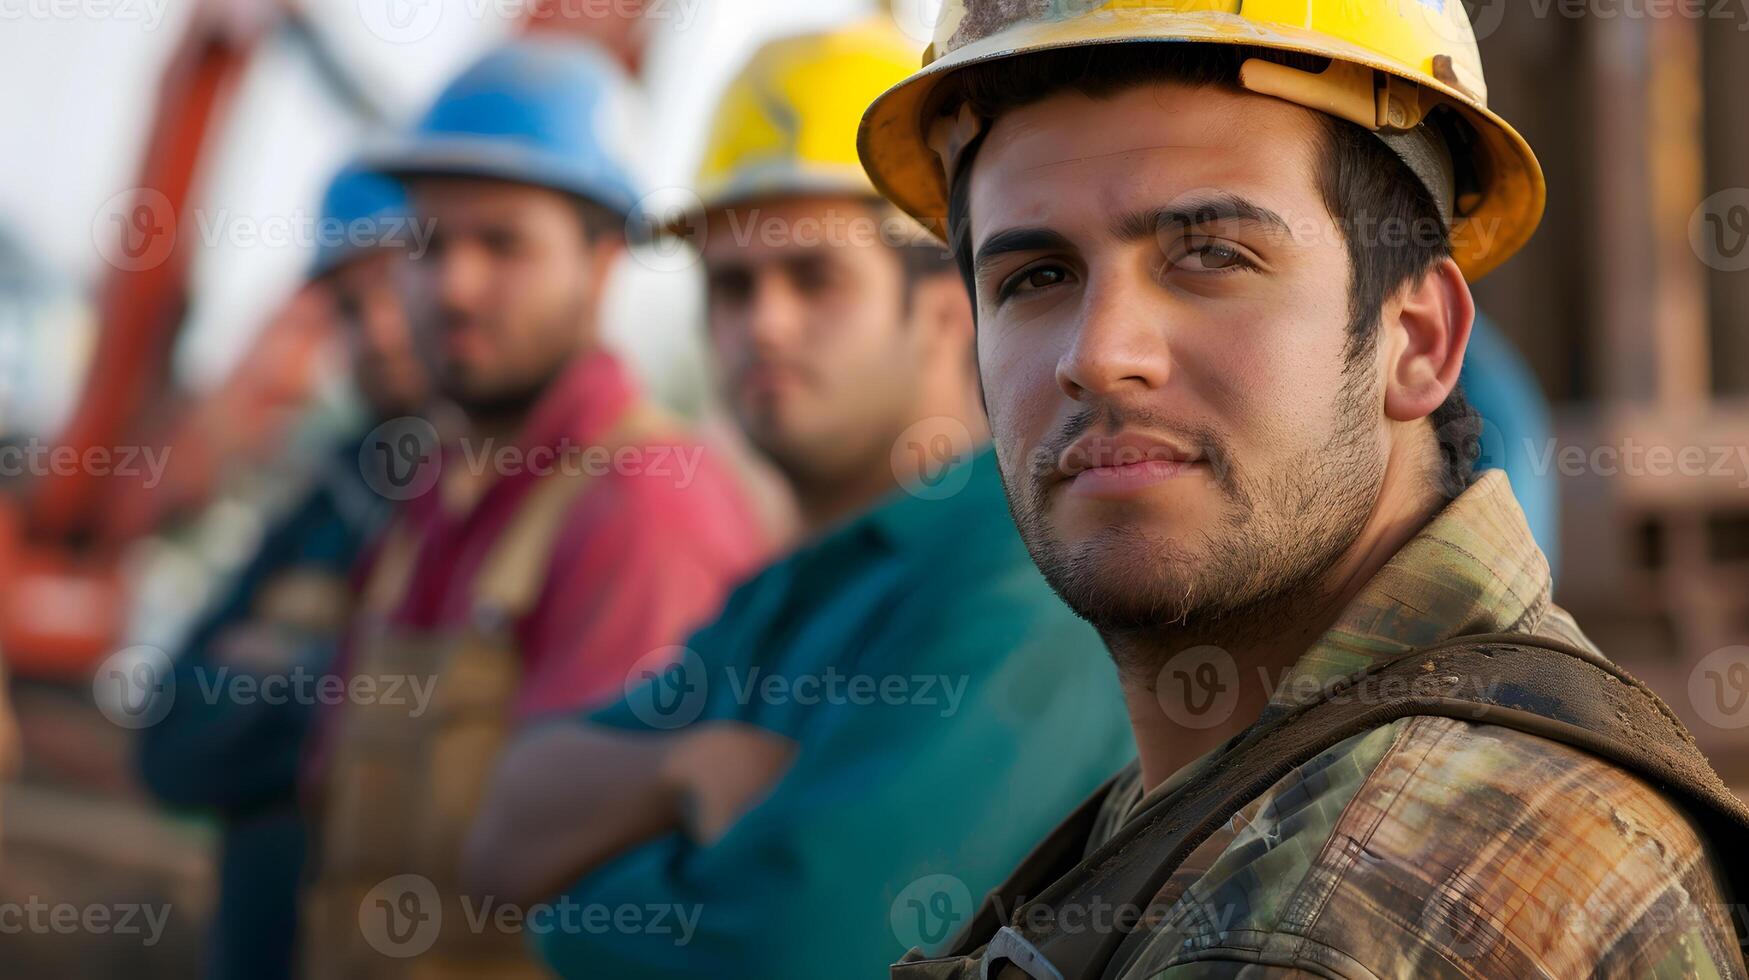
(82, 76)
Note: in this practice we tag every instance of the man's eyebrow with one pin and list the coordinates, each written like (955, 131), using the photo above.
(1017, 240)
(1191, 213)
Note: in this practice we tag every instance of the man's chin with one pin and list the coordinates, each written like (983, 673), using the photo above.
(1173, 518)
(1121, 580)
(484, 402)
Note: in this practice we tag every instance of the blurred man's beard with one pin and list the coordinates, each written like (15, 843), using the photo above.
(831, 433)
(1245, 576)
(500, 404)
(511, 399)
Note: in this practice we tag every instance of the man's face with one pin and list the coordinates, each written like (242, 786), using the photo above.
(808, 324)
(1163, 305)
(507, 292)
(385, 364)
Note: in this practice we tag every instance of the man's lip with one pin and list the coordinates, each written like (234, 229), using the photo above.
(464, 340)
(765, 377)
(1124, 449)
(1128, 480)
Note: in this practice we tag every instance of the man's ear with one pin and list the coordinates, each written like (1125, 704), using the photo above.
(604, 251)
(942, 312)
(1427, 330)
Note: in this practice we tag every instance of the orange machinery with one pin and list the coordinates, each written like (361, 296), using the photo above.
(63, 535)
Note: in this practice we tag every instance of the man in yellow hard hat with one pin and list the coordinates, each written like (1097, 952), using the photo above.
(1220, 256)
(791, 800)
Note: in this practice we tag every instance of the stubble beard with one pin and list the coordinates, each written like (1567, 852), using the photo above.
(1261, 568)
(512, 400)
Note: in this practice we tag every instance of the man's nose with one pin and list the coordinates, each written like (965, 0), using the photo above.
(775, 310)
(1120, 342)
(459, 277)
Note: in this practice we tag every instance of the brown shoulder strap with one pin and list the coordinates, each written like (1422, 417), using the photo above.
(1575, 697)
(510, 579)
(1049, 860)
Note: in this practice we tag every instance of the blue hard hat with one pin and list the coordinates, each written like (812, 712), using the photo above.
(362, 209)
(538, 110)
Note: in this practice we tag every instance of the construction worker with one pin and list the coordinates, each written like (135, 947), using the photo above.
(763, 794)
(237, 757)
(571, 530)
(1220, 257)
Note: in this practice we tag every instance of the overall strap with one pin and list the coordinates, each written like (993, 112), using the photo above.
(1535, 685)
(510, 579)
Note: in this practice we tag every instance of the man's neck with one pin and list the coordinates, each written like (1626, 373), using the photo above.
(472, 472)
(1181, 710)
(823, 504)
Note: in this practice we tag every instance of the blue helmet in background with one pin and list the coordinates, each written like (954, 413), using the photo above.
(362, 209)
(1516, 430)
(538, 110)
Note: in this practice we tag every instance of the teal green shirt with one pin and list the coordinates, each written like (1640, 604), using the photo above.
(948, 708)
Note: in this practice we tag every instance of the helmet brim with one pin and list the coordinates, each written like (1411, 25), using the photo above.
(895, 150)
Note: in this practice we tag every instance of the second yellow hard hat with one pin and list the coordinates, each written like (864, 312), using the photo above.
(787, 123)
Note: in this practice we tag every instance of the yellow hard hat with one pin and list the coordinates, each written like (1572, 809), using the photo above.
(1392, 63)
(787, 123)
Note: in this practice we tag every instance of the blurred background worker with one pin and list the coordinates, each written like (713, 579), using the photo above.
(791, 787)
(286, 611)
(571, 530)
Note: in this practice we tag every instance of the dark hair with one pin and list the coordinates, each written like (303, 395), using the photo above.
(596, 219)
(923, 260)
(1363, 182)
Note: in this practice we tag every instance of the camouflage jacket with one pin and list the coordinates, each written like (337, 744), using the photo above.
(1433, 846)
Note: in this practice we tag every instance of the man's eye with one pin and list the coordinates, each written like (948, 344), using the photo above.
(729, 287)
(498, 243)
(1033, 279)
(1208, 255)
(811, 277)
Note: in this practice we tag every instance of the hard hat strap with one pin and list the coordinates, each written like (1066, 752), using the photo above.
(1427, 156)
(1396, 110)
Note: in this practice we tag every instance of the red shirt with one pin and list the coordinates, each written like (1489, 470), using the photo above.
(646, 553)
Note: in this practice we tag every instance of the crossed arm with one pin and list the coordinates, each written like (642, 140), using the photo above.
(567, 797)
